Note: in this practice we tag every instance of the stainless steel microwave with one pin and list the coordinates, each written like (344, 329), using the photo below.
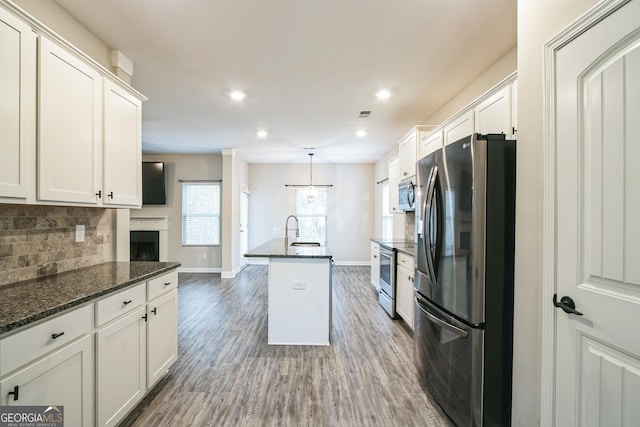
(406, 195)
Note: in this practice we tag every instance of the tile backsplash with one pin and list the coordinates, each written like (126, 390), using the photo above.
(38, 241)
(410, 226)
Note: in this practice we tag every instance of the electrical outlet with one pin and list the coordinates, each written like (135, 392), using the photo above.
(204, 255)
(299, 285)
(79, 233)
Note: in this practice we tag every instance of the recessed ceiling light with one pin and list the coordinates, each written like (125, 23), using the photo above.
(383, 94)
(237, 95)
(262, 134)
(361, 133)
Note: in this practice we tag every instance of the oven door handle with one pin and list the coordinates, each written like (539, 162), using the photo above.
(460, 332)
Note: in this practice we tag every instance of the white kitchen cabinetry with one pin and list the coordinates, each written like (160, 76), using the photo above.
(393, 186)
(375, 265)
(407, 149)
(459, 127)
(162, 335)
(70, 127)
(122, 152)
(51, 364)
(120, 366)
(430, 143)
(17, 106)
(404, 284)
(493, 115)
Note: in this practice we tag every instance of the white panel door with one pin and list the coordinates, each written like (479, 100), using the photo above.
(63, 378)
(431, 143)
(598, 229)
(122, 147)
(70, 124)
(120, 367)
(162, 335)
(493, 115)
(17, 105)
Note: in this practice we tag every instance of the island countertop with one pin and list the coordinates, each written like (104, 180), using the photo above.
(275, 248)
(27, 301)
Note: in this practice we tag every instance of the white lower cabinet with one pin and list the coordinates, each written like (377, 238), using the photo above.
(404, 288)
(63, 378)
(162, 335)
(120, 367)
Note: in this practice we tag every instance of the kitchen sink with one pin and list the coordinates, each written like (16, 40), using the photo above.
(308, 244)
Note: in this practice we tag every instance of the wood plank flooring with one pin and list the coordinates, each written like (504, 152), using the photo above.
(227, 375)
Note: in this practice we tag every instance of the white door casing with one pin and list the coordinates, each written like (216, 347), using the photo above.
(592, 237)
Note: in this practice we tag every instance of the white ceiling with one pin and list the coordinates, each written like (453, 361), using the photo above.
(308, 68)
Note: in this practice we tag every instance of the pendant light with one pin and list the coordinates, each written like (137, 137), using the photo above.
(311, 192)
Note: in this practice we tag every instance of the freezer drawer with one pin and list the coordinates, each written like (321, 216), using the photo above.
(448, 358)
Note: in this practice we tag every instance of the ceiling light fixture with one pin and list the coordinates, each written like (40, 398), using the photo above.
(383, 94)
(237, 95)
(361, 133)
(311, 192)
(262, 134)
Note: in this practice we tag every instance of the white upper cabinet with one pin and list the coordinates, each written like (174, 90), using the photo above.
(70, 127)
(393, 186)
(17, 106)
(122, 152)
(459, 127)
(407, 152)
(493, 115)
(430, 143)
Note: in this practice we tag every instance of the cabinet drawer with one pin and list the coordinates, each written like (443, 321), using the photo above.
(405, 261)
(120, 303)
(28, 345)
(375, 247)
(159, 285)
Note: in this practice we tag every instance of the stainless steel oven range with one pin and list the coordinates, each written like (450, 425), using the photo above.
(387, 292)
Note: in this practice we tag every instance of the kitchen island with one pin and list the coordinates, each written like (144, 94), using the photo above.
(299, 293)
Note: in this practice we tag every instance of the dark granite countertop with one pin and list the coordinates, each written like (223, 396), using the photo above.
(25, 302)
(406, 246)
(275, 248)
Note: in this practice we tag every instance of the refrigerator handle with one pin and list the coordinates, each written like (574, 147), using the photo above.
(460, 332)
(427, 220)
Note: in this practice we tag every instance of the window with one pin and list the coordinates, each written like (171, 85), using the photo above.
(387, 217)
(200, 214)
(312, 217)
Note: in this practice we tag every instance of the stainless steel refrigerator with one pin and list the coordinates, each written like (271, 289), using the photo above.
(465, 225)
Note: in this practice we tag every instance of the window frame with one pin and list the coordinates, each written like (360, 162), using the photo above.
(218, 215)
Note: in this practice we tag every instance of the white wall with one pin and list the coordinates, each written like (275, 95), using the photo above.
(186, 167)
(538, 22)
(235, 178)
(350, 205)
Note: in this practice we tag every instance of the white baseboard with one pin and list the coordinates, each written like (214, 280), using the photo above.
(199, 270)
(231, 274)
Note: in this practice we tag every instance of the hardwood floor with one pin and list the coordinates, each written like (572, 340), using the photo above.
(227, 375)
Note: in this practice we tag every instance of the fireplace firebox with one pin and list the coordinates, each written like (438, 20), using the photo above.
(145, 246)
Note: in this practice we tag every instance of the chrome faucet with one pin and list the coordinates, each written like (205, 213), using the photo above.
(286, 229)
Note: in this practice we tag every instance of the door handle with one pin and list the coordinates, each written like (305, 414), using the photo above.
(451, 328)
(566, 304)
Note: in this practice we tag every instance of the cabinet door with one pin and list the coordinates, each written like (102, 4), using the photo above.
(494, 114)
(120, 367)
(17, 105)
(407, 154)
(404, 299)
(393, 187)
(375, 266)
(162, 335)
(431, 143)
(458, 128)
(70, 123)
(63, 378)
(122, 149)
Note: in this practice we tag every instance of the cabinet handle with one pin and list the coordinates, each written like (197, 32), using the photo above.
(54, 336)
(126, 302)
(99, 194)
(167, 283)
(110, 195)
(15, 392)
(145, 317)
(375, 256)
(155, 309)
(405, 174)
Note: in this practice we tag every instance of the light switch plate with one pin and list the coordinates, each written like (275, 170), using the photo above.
(79, 233)
(299, 285)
